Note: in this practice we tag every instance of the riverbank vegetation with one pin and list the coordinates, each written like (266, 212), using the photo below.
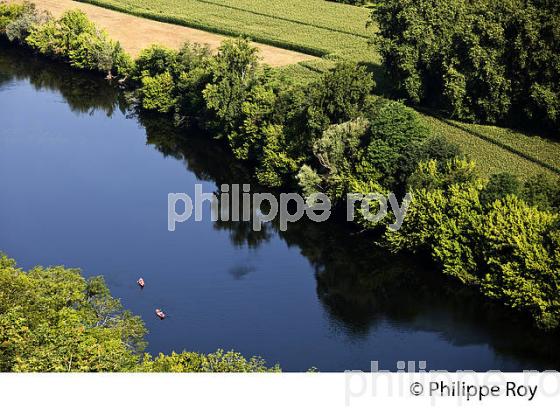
(497, 234)
(481, 61)
(345, 32)
(54, 320)
(315, 27)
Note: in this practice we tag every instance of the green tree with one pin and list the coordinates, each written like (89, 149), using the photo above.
(481, 60)
(52, 319)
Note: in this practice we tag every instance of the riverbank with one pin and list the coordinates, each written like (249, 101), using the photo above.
(136, 33)
(335, 136)
(316, 284)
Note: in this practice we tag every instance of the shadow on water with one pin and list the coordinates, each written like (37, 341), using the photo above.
(85, 93)
(358, 283)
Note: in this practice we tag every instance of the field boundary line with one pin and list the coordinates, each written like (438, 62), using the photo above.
(312, 51)
(285, 19)
(495, 142)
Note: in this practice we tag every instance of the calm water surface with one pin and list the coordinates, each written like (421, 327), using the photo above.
(83, 183)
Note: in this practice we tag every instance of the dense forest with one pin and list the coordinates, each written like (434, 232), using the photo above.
(482, 60)
(499, 235)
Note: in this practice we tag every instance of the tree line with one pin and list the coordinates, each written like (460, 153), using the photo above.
(333, 135)
(488, 61)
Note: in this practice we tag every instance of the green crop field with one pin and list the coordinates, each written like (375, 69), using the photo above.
(498, 150)
(338, 31)
(316, 27)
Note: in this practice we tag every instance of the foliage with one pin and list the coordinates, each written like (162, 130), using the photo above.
(21, 17)
(340, 95)
(542, 192)
(315, 27)
(53, 319)
(157, 92)
(75, 39)
(520, 247)
(9, 13)
(499, 186)
(506, 248)
(208, 363)
(170, 81)
(364, 154)
(234, 73)
(489, 61)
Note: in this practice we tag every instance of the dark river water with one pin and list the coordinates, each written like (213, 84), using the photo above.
(84, 183)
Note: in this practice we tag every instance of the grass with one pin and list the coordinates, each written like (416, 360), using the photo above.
(317, 27)
(338, 31)
(498, 150)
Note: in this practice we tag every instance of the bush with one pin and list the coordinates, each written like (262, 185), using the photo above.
(210, 363)
(234, 73)
(395, 133)
(157, 92)
(75, 39)
(484, 61)
(9, 13)
(508, 249)
(154, 61)
(542, 192)
(182, 76)
(499, 186)
(23, 20)
(520, 249)
(365, 153)
(340, 95)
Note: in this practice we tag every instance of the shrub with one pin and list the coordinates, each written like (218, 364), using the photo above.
(8, 13)
(542, 192)
(338, 152)
(484, 61)
(365, 152)
(207, 363)
(157, 92)
(520, 250)
(75, 39)
(499, 186)
(508, 249)
(234, 73)
(153, 61)
(433, 174)
(340, 95)
(395, 132)
(27, 17)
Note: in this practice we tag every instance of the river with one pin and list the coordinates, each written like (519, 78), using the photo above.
(84, 183)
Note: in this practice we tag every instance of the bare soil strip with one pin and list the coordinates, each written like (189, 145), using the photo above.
(135, 33)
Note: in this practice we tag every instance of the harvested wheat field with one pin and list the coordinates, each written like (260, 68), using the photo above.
(135, 33)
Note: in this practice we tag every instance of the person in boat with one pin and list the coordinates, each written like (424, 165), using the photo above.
(161, 314)
(141, 282)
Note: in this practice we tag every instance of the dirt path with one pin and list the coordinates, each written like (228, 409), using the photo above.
(135, 33)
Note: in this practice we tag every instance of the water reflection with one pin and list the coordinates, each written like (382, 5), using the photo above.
(358, 282)
(360, 286)
(83, 93)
